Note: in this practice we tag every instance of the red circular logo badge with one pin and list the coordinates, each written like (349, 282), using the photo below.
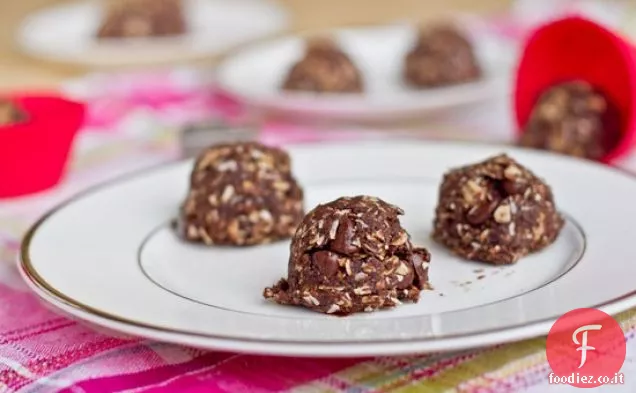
(586, 349)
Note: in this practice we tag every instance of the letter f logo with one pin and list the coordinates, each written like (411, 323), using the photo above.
(583, 344)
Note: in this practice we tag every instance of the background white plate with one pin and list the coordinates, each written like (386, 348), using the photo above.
(66, 33)
(256, 72)
(109, 257)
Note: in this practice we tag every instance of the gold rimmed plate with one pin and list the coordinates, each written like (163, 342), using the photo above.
(108, 256)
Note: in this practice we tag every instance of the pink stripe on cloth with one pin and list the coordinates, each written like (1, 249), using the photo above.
(176, 97)
(41, 343)
(135, 381)
(218, 372)
(255, 374)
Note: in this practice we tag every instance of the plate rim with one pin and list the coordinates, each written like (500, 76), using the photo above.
(519, 331)
(301, 349)
(321, 350)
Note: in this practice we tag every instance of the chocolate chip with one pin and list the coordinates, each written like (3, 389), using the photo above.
(343, 241)
(480, 213)
(283, 284)
(420, 260)
(514, 187)
(326, 261)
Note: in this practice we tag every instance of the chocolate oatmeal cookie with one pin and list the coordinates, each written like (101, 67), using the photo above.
(142, 18)
(495, 211)
(241, 194)
(324, 68)
(575, 119)
(352, 255)
(441, 56)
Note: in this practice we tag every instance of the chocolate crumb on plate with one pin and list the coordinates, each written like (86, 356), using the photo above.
(495, 211)
(241, 194)
(574, 119)
(352, 255)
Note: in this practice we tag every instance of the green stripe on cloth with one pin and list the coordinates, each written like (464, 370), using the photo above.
(444, 373)
(413, 374)
(627, 320)
(485, 362)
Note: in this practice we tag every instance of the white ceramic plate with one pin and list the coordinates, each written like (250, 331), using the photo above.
(109, 257)
(256, 72)
(66, 33)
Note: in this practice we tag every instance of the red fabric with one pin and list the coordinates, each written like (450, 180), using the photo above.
(33, 154)
(576, 48)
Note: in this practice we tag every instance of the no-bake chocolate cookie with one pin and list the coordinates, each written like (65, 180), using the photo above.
(352, 255)
(142, 18)
(10, 113)
(495, 211)
(441, 56)
(324, 68)
(574, 119)
(241, 194)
